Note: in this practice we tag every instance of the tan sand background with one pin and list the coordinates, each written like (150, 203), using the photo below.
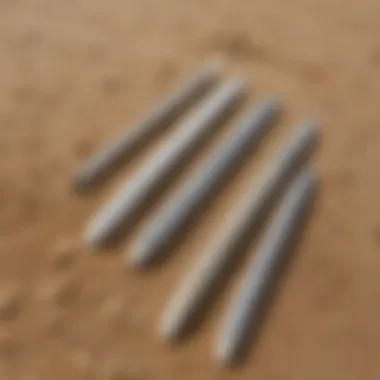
(72, 73)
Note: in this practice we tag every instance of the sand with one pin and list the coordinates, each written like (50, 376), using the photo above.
(73, 75)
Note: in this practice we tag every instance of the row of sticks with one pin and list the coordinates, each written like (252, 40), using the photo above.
(287, 179)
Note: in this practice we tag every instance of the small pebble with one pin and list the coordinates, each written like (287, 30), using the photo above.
(96, 52)
(83, 148)
(10, 302)
(63, 255)
(59, 289)
(55, 324)
(134, 319)
(112, 84)
(113, 309)
(167, 71)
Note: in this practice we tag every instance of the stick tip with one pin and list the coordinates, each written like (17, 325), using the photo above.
(312, 124)
(93, 239)
(168, 330)
(141, 255)
(80, 183)
(274, 102)
(226, 354)
(238, 83)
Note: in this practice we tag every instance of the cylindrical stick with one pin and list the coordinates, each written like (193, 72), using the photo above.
(155, 239)
(198, 286)
(124, 207)
(105, 162)
(245, 310)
